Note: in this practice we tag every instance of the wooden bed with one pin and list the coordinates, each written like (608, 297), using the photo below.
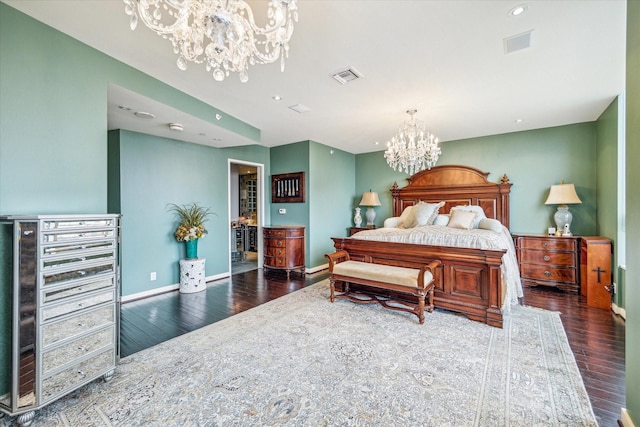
(469, 280)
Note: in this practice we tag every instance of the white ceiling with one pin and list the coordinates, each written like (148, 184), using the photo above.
(444, 58)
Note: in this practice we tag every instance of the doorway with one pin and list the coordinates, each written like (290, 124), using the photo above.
(246, 215)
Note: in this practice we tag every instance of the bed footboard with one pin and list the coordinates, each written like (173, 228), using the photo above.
(468, 281)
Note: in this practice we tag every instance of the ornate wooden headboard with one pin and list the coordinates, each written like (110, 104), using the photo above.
(455, 185)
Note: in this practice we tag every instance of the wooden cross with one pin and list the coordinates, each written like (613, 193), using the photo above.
(599, 271)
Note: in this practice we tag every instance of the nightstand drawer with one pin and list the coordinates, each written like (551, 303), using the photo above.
(555, 244)
(551, 274)
(548, 258)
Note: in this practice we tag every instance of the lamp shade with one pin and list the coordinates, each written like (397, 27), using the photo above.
(562, 194)
(370, 198)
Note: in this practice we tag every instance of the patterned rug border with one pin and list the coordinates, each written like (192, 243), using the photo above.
(276, 365)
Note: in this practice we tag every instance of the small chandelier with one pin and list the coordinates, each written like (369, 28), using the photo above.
(413, 149)
(220, 33)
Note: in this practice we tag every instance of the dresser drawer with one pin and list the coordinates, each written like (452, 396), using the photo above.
(276, 261)
(79, 374)
(78, 236)
(275, 243)
(276, 252)
(52, 311)
(62, 275)
(548, 258)
(72, 249)
(81, 223)
(80, 324)
(551, 274)
(77, 288)
(556, 244)
(274, 232)
(67, 353)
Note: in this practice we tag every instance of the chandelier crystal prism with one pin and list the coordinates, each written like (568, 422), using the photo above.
(413, 149)
(222, 34)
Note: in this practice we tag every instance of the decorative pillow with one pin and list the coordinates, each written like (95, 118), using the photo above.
(441, 219)
(423, 214)
(490, 224)
(407, 215)
(476, 209)
(391, 222)
(462, 219)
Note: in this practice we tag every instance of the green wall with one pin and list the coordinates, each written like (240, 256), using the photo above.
(332, 187)
(330, 177)
(632, 290)
(150, 178)
(608, 214)
(533, 161)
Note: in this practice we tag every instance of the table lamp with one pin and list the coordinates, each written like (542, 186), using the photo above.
(562, 195)
(370, 199)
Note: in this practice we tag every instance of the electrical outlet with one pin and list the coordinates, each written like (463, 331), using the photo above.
(282, 211)
(152, 276)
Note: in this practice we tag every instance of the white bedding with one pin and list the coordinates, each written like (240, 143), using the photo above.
(436, 235)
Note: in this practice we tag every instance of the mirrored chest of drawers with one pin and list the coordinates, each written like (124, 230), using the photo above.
(64, 283)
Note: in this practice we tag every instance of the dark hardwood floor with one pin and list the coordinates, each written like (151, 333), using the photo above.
(596, 336)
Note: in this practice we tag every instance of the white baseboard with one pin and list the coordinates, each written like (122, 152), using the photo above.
(625, 418)
(168, 288)
(316, 269)
(619, 311)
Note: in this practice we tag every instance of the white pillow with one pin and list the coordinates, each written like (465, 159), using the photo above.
(391, 222)
(426, 213)
(477, 209)
(462, 219)
(490, 224)
(441, 219)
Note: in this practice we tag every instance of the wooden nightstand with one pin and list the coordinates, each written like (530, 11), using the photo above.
(549, 261)
(354, 230)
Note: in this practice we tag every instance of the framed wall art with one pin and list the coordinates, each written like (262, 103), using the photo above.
(288, 188)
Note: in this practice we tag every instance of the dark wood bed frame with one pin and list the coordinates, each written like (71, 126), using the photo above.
(469, 280)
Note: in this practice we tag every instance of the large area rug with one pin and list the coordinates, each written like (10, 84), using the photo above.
(302, 361)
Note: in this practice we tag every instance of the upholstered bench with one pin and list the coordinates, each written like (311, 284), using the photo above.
(418, 283)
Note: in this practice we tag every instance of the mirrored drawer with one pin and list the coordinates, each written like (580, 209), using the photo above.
(50, 312)
(77, 236)
(74, 249)
(61, 276)
(77, 349)
(75, 288)
(76, 375)
(71, 262)
(65, 224)
(57, 331)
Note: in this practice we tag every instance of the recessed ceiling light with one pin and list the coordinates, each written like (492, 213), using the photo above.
(144, 115)
(518, 120)
(276, 98)
(299, 108)
(176, 127)
(122, 107)
(519, 10)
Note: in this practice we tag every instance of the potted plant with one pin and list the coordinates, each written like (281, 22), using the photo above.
(191, 226)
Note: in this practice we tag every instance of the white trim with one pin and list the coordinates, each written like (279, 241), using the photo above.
(168, 288)
(619, 311)
(625, 418)
(316, 269)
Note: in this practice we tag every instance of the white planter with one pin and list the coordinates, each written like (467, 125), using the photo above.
(192, 276)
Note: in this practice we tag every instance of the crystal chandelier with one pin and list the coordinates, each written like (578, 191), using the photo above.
(413, 149)
(220, 33)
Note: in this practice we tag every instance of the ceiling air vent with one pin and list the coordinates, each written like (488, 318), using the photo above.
(518, 42)
(299, 108)
(346, 76)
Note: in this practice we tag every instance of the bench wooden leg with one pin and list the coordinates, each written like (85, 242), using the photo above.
(332, 296)
(430, 296)
(421, 309)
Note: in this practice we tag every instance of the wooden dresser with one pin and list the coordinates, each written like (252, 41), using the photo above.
(549, 261)
(284, 248)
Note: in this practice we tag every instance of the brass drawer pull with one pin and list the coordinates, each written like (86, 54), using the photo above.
(546, 273)
(544, 244)
(547, 258)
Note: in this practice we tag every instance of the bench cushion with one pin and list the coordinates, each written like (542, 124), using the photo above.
(382, 273)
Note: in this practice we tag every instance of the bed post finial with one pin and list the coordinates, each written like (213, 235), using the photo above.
(504, 179)
(395, 186)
